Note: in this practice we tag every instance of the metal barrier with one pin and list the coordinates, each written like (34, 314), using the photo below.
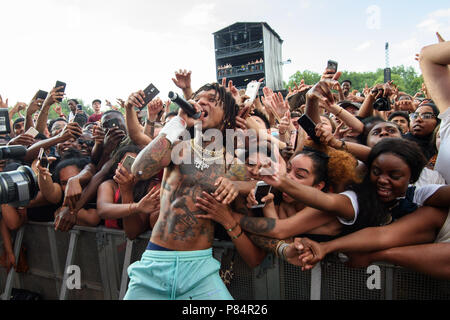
(104, 255)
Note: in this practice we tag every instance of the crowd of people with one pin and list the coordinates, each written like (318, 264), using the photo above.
(369, 181)
(251, 66)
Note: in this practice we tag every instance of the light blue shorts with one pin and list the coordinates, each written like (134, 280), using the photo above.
(176, 275)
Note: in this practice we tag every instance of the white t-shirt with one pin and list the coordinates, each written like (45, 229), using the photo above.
(443, 159)
(421, 194)
(428, 176)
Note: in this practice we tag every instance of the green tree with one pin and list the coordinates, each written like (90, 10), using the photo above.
(406, 79)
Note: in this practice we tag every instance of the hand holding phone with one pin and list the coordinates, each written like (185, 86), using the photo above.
(262, 190)
(149, 93)
(332, 65)
(32, 132)
(309, 126)
(128, 162)
(252, 91)
(63, 89)
(43, 161)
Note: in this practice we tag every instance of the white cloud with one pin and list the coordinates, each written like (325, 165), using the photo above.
(435, 21)
(200, 14)
(305, 4)
(363, 46)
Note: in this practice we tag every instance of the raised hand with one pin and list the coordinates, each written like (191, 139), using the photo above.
(120, 102)
(124, 179)
(153, 108)
(53, 97)
(98, 134)
(182, 79)
(57, 108)
(71, 130)
(3, 104)
(136, 99)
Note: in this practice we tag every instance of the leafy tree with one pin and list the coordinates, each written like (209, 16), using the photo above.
(406, 78)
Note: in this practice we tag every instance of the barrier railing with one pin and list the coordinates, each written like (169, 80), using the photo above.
(103, 255)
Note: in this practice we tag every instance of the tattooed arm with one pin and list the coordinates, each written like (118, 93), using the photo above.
(302, 222)
(153, 158)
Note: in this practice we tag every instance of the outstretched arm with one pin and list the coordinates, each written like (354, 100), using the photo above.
(434, 62)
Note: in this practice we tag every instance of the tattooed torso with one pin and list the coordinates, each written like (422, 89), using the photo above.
(177, 227)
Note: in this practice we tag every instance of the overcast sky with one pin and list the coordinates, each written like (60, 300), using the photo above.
(109, 48)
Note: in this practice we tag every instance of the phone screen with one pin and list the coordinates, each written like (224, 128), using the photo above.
(261, 191)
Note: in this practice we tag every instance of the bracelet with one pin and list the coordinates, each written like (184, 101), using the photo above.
(235, 237)
(337, 114)
(150, 123)
(281, 253)
(343, 145)
(279, 244)
(231, 229)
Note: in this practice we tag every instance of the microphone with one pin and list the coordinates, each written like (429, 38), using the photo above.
(183, 104)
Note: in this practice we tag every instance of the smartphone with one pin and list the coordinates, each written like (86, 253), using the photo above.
(252, 91)
(32, 132)
(309, 126)
(81, 119)
(297, 100)
(43, 159)
(332, 65)
(111, 123)
(262, 190)
(5, 126)
(128, 162)
(41, 94)
(59, 84)
(79, 107)
(150, 92)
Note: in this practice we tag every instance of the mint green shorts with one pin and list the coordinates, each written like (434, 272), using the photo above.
(176, 275)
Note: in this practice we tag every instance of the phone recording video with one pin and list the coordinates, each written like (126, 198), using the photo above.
(309, 126)
(262, 190)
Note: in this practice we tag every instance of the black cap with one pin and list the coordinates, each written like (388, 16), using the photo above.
(96, 100)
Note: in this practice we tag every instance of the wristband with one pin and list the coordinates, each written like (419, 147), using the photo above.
(337, 114)
(231, 229)
(235, 237)
(281, 248)
(174, 129)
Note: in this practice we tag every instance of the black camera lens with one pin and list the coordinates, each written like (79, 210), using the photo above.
(382, 104)
(18, 187)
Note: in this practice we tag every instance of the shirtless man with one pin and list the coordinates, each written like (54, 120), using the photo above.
(178, 262)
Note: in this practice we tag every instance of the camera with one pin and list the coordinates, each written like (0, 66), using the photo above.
(17, 187)
(382, 103)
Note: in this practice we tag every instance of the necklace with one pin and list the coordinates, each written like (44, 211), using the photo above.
(201, 164)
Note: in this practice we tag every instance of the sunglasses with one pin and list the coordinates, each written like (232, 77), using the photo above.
(424, 116)
(89, 143)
